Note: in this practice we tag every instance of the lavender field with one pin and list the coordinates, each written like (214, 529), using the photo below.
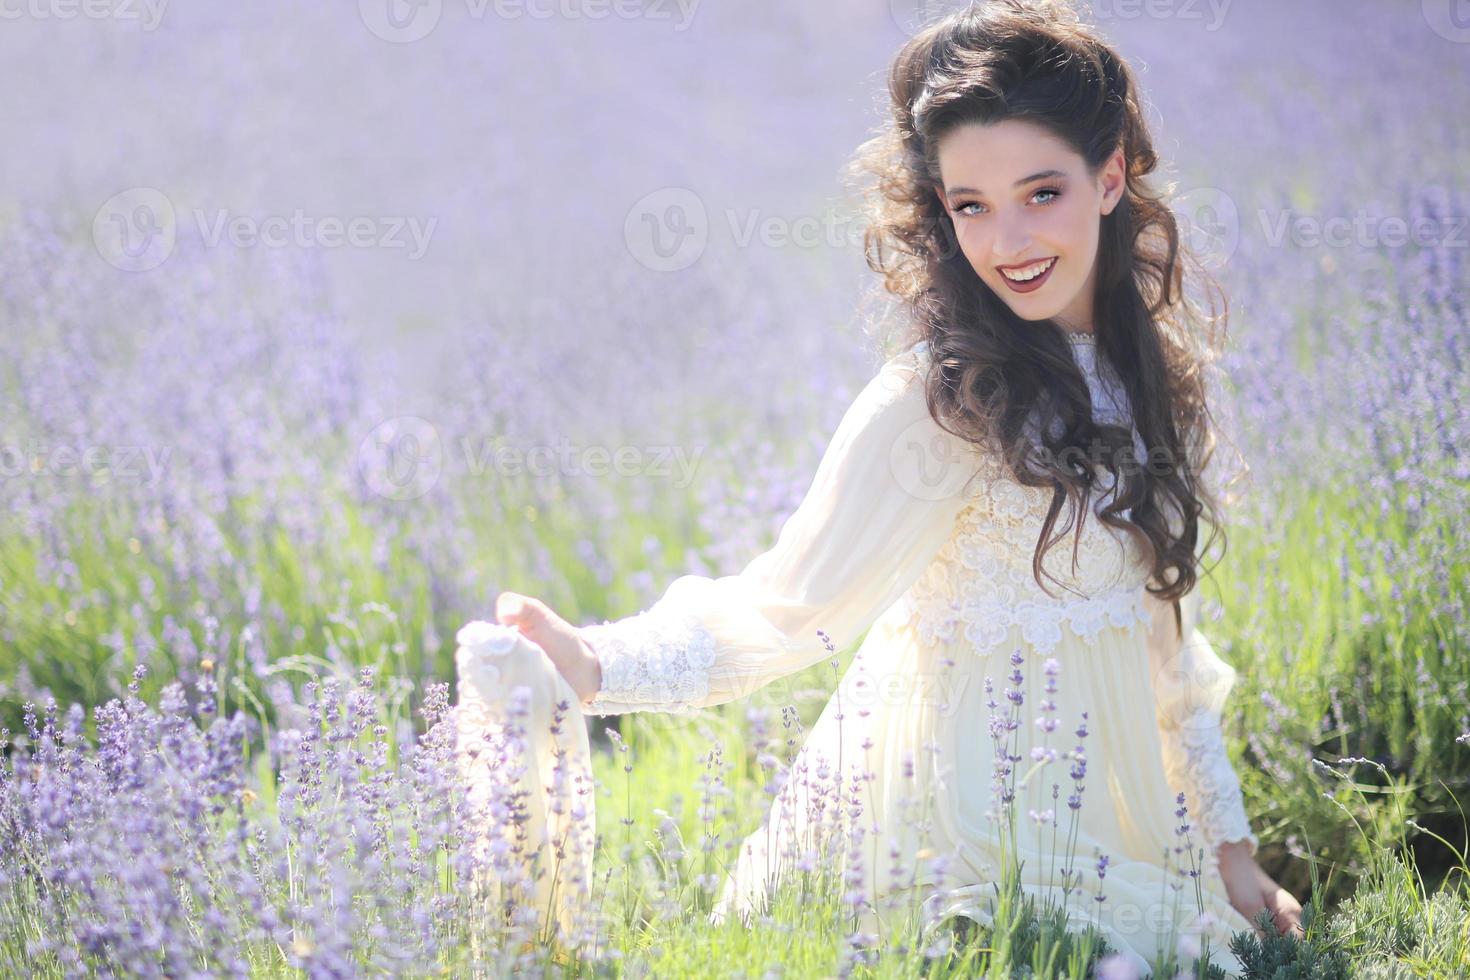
(322, 325)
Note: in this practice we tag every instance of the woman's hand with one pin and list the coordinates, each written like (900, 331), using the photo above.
(1251, 889)
(561, 640)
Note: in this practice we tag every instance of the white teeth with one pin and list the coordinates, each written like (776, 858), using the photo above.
(1029, 272)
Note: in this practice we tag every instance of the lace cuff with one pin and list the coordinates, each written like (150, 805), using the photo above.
(653, 661)
(1196, 762)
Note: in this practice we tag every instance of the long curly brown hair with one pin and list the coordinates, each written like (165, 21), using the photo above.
(990, 370)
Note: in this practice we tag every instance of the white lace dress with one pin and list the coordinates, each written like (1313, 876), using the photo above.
(908, 534)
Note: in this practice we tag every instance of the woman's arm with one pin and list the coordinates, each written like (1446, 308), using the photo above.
(1191, 684)
(884, 499)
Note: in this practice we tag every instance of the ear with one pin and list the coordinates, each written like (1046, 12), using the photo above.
(1113, 180)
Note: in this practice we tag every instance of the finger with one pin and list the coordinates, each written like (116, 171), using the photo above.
(507, 607)
(514, 609)
(1286, 923)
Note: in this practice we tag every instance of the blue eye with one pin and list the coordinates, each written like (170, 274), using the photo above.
(961, 209)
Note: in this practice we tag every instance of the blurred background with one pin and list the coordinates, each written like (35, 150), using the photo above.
(325, 323)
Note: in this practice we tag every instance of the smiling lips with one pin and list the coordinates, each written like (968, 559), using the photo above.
(1029, 277)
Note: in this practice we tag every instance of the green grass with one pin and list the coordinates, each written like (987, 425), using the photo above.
(1376, 840)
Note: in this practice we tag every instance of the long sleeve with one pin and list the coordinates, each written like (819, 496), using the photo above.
(884, 500)
(1191, 687)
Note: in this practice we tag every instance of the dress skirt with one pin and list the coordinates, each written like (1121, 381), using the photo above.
(915, 726)
(896, 787)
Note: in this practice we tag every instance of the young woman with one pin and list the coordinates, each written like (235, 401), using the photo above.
(1053, 387)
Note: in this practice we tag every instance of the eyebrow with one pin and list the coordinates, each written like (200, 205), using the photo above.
(1043, 175)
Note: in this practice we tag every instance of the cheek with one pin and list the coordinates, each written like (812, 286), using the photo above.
(1070, 229)
(975, 244)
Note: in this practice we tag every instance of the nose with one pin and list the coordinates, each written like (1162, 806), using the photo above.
(1012, 240)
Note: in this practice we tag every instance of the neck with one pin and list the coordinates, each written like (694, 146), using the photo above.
(1073, 322)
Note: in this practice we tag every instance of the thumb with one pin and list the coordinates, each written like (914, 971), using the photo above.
(510, 608)
(531, 615)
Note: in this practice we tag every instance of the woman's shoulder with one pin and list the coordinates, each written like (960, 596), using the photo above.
(915, 355)
(919, 352)
(902, 374)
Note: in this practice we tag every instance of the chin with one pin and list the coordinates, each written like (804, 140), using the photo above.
(1031, 314)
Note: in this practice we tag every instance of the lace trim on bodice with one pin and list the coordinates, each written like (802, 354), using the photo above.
(1110, 404)
(985, 621)
(981, 584)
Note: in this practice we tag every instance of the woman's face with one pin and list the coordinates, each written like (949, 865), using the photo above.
(1022, 202)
